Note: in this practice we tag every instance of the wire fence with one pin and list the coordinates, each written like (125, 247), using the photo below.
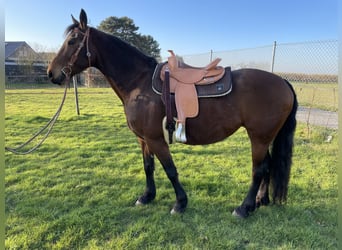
(307, 62)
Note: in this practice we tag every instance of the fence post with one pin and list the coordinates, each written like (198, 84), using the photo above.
(273, 55)
(74, 79)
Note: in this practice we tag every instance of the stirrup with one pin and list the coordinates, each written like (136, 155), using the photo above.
(180, 133)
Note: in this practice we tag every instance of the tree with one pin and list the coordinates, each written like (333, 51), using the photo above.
(125, 29)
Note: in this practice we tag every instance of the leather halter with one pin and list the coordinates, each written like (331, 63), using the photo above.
(66, 70)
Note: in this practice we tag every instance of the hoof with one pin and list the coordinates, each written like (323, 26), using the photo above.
(178, 209)
(239, 213)
(145, 199)
(139, 203)
(175, 211)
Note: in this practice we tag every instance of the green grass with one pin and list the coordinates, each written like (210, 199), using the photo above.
(321, 96)
(78, 190)
(314, 95)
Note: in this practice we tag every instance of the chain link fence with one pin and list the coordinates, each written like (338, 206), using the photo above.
(306, 62)
(311, 62)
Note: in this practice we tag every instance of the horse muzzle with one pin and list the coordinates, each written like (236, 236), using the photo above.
(60, 79)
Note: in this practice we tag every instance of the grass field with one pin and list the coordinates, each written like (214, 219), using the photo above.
(315, 95)
(321, 96)
(78, 190)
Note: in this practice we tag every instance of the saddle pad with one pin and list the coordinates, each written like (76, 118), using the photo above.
(220, 88)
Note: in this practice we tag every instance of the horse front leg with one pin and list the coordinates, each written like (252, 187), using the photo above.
(150, 190)
(181, 197)
(161, 150)
(260, 181)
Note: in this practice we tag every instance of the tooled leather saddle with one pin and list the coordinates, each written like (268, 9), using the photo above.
(188, 83)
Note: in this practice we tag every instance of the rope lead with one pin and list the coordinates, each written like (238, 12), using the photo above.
(52, 122)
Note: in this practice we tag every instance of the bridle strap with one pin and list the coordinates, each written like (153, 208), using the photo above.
(66, 70)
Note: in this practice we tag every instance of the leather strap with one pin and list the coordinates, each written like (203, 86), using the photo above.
(170, 123)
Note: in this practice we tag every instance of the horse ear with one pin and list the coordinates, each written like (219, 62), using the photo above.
(83, 19)
(74, 20)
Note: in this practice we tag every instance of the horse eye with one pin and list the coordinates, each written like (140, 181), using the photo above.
(71, 42)
(72, 38)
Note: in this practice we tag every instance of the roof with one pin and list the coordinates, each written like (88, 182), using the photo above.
(11, 47)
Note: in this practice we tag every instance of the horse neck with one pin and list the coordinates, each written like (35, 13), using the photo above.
(125, 68)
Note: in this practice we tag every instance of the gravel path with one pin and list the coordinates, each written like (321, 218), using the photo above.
(318, 117)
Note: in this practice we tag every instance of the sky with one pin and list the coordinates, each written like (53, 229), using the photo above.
(185, 26)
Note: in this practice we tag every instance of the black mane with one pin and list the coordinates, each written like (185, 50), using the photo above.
(128, 49)
(118, 41)
(70, 28)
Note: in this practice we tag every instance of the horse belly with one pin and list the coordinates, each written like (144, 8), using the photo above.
(218, 118)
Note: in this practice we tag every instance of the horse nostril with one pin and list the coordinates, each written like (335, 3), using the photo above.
(49, 73)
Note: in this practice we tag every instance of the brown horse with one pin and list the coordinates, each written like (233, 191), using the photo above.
(263, 103)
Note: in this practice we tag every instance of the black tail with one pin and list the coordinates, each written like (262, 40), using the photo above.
(282, 155)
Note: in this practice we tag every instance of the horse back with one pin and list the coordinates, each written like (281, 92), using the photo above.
(261, 91)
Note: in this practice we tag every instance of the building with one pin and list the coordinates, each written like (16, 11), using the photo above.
(23, 64)
(17, 51)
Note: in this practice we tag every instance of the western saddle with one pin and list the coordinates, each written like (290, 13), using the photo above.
(182, 80)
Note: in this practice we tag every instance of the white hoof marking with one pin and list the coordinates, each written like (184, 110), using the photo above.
(139, 203)
(235, 214)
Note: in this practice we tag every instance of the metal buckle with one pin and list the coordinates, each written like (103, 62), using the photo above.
(66, 70)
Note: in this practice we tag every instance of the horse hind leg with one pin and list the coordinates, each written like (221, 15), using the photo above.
(262, 198)
(260, 180)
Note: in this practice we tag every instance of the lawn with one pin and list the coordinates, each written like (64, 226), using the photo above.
(315, 95)
(78, 190)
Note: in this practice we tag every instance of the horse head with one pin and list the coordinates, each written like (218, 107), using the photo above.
(74, 56)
